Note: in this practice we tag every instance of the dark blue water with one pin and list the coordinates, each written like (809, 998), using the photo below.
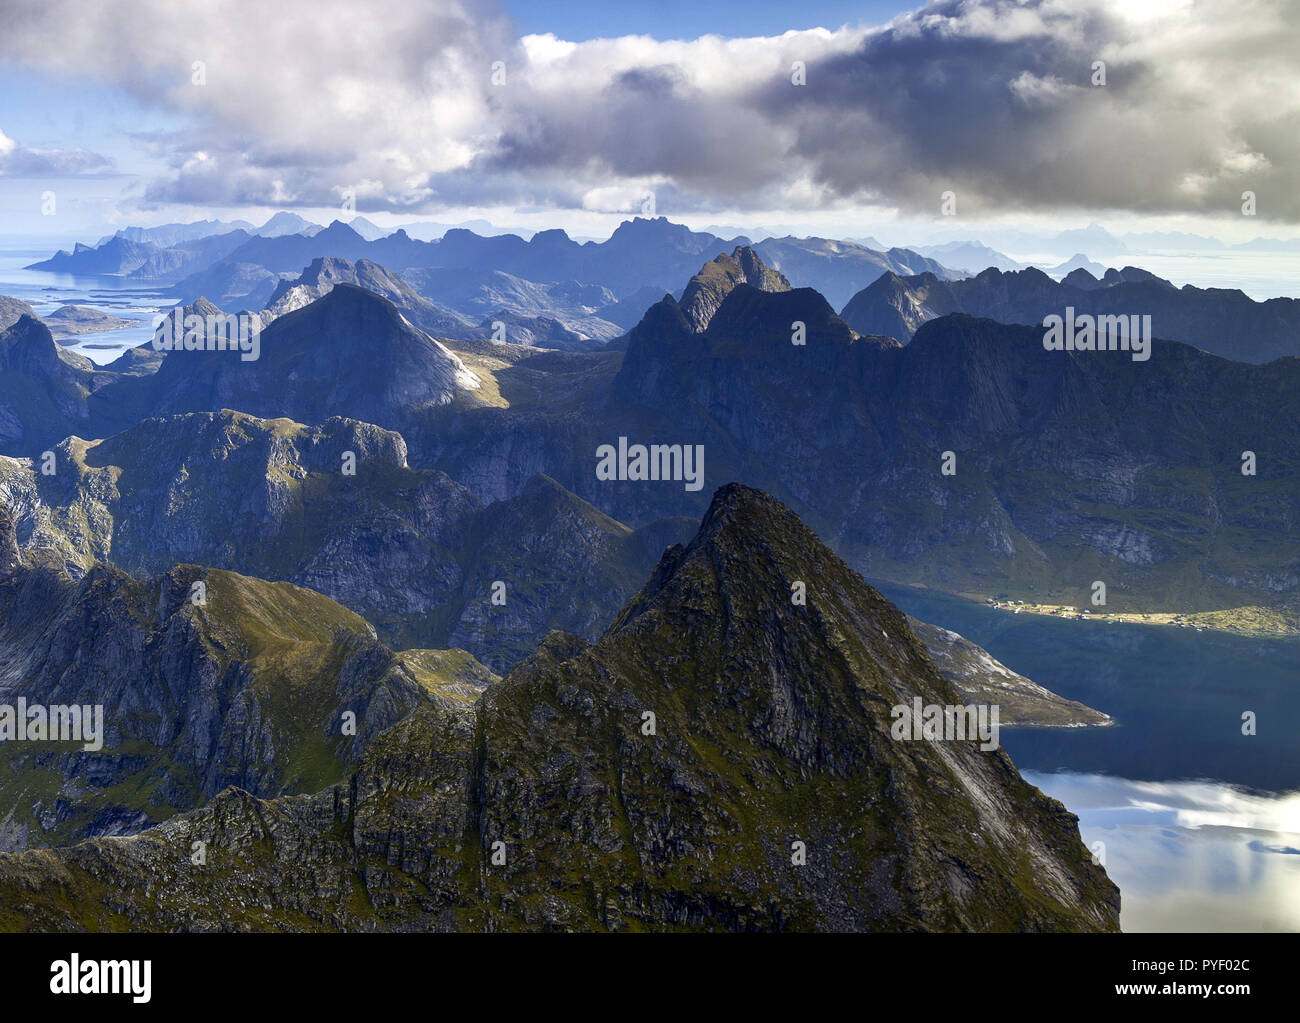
(1178, 695)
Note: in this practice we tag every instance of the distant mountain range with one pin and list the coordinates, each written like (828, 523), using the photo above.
(1225, 322)
(1097, 240)
(320, 277)
(168, 235)
(548, 291)
(641, 253)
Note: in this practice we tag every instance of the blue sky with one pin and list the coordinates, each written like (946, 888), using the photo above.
(580, 20)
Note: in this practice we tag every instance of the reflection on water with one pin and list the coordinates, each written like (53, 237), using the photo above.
(1190, 856)
(1196, 836)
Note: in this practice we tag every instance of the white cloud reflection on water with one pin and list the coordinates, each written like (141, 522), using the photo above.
(1190, 855)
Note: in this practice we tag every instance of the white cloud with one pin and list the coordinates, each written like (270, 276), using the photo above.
(23, 161)
(991, 98)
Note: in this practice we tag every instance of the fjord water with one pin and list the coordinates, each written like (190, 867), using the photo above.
(1200, 825)
(45, 292)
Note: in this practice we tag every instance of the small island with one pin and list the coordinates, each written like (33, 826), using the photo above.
(74, 320)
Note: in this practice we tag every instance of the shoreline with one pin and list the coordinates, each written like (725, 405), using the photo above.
(1250, 621)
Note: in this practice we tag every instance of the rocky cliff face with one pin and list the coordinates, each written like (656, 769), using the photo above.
(43, 389)
(410, 550)
(206, 679)
(765, 792)
(11, 558)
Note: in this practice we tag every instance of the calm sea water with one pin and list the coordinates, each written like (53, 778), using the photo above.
(1200, 824)
(45, 292)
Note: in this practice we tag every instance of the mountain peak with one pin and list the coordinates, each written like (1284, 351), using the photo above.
(283, 223)
(28, 347)
(1080, 278)
(346, 302)
(705, 292)
(350, 352)
(653, 228)
(339, 231)
(551, 236)
(730, 663)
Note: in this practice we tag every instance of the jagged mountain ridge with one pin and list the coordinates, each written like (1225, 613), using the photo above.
(640, 253)
(1148, 495)
(809, 423)
(1221, 321)
(783, 738)
(319, 278)
(717, 278)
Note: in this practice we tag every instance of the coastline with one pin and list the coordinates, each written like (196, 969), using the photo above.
(1248, 620)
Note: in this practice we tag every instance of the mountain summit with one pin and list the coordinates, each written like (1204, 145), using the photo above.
(349, 353)
(706, 290)
(721, 759)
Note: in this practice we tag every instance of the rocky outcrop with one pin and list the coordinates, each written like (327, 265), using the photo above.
(982, 678)
(706, 290)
